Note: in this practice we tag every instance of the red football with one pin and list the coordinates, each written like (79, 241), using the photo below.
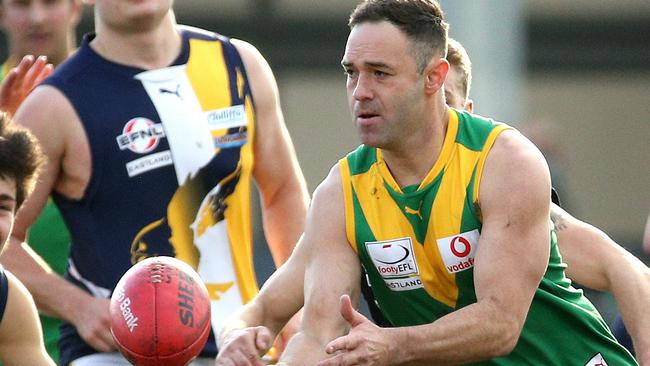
(160, 313)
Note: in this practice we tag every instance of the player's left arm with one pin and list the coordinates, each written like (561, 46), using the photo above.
(596, 261)
(511, 258)
(21, 339)
(277, 172)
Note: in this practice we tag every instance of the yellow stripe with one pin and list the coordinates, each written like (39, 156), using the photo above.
(484, 152)
(238, 216)
(344, 168)
(445, 152)
(384, 217)
(449, 205)
(207, 69)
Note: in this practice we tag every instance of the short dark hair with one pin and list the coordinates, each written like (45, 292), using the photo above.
(458, 58)
(20, 157)
(421, 20)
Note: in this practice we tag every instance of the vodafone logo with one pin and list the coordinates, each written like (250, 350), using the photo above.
(458, 251)
(458, 242)
(140, 135)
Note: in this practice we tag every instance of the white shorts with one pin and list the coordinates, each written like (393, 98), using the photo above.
(116, 359)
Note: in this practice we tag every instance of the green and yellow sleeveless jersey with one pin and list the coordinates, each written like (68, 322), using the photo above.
(417, 245)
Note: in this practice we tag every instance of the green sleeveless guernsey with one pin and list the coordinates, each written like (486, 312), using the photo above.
(417, 245)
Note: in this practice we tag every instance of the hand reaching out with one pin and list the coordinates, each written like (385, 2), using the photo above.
(20, 81)
(244, 347)
(93, 323)
(365, 344)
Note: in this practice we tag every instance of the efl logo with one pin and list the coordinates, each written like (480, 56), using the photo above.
(458, 251)
(395, 261)
(140, 135)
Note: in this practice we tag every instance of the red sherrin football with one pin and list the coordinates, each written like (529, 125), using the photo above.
(160, 313)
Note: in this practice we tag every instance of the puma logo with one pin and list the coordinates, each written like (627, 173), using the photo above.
(173, 92)
(411, 211)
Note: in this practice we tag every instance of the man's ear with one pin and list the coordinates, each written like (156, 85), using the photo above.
(469, 105)
(435, 75)
(77, 11)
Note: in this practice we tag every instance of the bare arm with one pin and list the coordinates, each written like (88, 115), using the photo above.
(21, 339)
(511, 259)
(332, 270)
(250, 331)
(54, 123)
(596, 261)
(277, 172)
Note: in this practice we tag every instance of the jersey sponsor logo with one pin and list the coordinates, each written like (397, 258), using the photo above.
(229, 117)
(597, 360)
(395, 261)
(140, 135)
(231, 140)
(458, 251)
(149, 162)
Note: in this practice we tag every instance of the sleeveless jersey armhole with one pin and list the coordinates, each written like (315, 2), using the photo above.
(481, 162)
(346, 181)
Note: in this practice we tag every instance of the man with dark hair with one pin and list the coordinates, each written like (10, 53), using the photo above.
(448, 213)
(594, 260)
(21, 341)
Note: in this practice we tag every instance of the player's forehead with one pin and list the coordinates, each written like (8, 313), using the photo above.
(371, 43)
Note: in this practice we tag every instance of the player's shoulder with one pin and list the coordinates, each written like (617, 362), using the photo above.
(45, 106)
(201, 34)
(515, 166)
(331, 185)
(514, 148)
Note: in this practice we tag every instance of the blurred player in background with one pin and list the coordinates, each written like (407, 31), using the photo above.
(21, 341)
(45, 28)
(153, 133)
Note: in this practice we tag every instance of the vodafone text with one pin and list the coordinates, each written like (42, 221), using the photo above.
(461, 266)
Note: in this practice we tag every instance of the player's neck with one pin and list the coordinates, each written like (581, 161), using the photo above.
(153, 49)
(412, 162)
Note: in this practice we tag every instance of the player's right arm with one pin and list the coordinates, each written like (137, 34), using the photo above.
(332, 270)
(250, 332)
(594, 260)
(51, 118)
(21, 339)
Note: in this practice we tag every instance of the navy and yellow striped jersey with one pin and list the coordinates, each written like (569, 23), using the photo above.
(172, 157)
